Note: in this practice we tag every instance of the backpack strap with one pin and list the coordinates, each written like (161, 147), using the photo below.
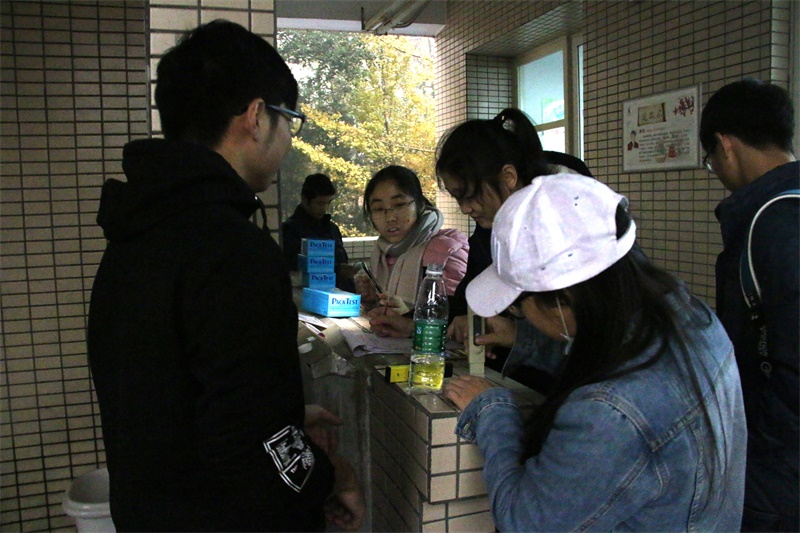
(750, 286)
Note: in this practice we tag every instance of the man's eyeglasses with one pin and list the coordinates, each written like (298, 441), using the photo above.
(296, 119)
(707, 162)
(384, 211)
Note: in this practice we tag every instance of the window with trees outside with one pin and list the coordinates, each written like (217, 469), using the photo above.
(370, 103)
(550, 91)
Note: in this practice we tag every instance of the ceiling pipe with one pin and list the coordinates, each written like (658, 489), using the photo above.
(400, 14)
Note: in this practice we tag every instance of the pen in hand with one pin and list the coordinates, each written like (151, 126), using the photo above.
(371, 277)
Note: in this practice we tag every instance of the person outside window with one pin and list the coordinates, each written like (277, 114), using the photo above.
(746, 130)
(311, 220)
(192, 328)
(645, 428)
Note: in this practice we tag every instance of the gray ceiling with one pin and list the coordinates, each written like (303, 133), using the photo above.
(346, 15)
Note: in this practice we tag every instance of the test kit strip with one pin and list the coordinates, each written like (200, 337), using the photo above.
(477, 354)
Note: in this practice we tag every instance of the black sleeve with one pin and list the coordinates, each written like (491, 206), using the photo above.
(480, 257)
(241, 328)
(290, 239)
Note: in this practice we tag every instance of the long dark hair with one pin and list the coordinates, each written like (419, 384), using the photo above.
(477, 150)
(619, 314)
(405, 179)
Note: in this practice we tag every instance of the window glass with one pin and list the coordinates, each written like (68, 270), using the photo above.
(541, 88)
(554, 139)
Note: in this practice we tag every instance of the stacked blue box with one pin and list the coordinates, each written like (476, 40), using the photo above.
(317, 263)
(331, 302)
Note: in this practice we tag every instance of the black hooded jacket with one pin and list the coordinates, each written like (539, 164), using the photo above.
(192, 345)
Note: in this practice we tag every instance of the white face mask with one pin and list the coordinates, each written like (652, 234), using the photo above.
(566, 336)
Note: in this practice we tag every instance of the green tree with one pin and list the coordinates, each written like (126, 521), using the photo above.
(370, 103)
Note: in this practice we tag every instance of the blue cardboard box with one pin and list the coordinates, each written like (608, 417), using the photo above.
(318, 280)
(320, 247)
(331, 302)
(316, 264)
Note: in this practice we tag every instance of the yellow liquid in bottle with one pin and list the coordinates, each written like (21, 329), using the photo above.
(427, 372)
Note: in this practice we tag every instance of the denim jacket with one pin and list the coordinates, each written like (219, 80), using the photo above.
(629, 453)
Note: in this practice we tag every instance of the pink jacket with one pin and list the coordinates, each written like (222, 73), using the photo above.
(450, 248)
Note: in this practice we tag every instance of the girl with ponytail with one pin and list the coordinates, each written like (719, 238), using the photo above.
(481, 163)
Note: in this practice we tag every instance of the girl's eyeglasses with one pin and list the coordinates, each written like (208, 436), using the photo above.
(384, 212)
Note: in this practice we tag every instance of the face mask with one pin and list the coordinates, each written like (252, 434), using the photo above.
(566, 336)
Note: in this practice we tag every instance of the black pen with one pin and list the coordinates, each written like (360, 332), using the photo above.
(371, 278)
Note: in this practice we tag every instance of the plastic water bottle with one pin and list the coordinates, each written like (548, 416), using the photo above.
(430, 328)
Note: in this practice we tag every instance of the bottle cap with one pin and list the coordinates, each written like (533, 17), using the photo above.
(434, 268)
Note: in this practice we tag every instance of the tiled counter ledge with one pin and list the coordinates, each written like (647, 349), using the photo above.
(424, 477)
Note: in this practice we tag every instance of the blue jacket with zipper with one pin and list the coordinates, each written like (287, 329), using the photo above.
(771, 404)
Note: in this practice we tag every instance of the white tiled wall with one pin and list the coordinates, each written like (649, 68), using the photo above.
(425, 478)
(632, 49)
(74, 89)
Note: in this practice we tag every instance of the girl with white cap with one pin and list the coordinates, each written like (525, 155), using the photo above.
(645, 428)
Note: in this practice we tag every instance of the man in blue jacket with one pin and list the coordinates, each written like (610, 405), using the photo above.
(192, 328)
(746, 131)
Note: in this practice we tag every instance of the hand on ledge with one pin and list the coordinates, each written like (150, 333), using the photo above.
(463, 389)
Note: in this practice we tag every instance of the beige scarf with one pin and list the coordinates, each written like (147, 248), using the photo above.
(403, 278)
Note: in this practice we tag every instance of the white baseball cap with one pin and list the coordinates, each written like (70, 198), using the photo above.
(552, 234)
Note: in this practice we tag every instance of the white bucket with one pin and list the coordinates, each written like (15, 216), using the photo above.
(86, 500)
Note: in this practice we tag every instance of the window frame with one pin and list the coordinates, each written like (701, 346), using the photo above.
(572, 48)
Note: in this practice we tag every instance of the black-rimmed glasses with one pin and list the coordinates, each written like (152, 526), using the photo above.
(385, 211)
(296, 118)
(707, 163)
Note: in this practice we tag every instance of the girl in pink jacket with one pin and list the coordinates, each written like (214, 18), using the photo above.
(411, 237)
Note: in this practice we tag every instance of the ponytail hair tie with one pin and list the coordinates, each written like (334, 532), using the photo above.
(504, 122)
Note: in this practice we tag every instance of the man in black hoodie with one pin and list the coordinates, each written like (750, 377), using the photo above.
(192, 327)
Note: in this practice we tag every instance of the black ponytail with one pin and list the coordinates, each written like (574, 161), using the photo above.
(476, 151)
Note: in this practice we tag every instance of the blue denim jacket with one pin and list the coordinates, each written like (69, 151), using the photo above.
(630, 453)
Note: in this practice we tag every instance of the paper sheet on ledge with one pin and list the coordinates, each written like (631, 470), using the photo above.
(362, 341)
(311, 319)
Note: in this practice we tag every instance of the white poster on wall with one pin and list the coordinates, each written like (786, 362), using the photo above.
(661, 131)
